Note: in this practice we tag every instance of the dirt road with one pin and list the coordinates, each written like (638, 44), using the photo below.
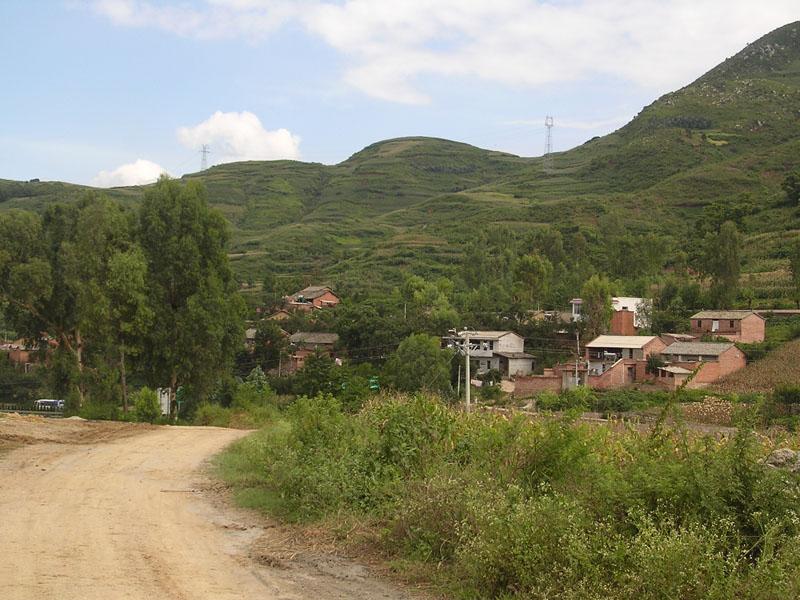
(128, 518)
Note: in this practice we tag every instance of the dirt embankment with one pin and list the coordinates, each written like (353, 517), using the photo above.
(111, 510)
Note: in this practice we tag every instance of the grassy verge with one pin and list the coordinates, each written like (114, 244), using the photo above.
(490, 507)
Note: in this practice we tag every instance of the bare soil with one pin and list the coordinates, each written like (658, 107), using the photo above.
(98, 510)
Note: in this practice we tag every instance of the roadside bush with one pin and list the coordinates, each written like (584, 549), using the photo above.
(494, 507)
(146, 406)
(99, 411)
(212, 415)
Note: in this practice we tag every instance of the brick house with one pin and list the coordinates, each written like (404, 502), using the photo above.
(629, 316)
(307, 343)
(610, 361)
(312, 297)
(619, 360)
(672, 377)
(735, 325)
(709, 361)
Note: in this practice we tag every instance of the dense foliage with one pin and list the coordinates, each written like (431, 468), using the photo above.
(496, 507)
(114, 292)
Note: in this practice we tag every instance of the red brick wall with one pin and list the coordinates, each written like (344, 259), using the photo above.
(327, 299)
(747, 330)
(710, 372)
(622, 323)
(533, 384)
(753, 329)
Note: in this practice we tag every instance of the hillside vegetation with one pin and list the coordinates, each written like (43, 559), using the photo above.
(409, 204)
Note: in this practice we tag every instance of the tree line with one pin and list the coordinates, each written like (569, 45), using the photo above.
(111, 294)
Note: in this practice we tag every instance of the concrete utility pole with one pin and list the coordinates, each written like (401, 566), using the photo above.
(577, 353)
(468, 387)
(464, 335)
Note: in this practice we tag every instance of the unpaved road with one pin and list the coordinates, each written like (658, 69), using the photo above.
(127, 517)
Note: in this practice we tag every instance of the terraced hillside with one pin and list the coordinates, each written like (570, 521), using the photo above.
(409, 204)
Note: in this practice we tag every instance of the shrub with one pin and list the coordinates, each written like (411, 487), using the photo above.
(543, 508)
(100, 411)
(787, 394)
(146, 406)
(212, 415)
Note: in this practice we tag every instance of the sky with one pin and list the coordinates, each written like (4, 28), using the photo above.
(115, 92)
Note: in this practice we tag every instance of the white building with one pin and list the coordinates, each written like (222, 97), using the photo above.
(500, 350)
(640, 307)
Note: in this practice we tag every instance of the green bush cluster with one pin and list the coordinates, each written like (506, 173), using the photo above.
(506, 508)
(253, 404)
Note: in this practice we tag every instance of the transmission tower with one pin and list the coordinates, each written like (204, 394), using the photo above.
(205, 150)
(547, 162)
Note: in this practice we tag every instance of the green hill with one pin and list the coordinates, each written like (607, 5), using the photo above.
(409, 204)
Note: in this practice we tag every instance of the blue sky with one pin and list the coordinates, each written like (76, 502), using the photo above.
(112, 92)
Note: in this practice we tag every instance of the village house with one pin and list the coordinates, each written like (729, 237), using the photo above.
(629, 316)
(709, 361)
(307, 343)
(672, 377)
(503, 351)
(735, 325)
(280, 315)
(618, 360)
(311, 298)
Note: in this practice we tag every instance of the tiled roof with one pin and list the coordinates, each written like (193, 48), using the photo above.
(514, 354)
(621, 341)
(731, 315)
(313, 337)
(675, 370)
(697, 348)
(312, 291)
(489, 335)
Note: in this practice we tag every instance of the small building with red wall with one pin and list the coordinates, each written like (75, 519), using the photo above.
(710, 361)
(312, 297)
(308, 343)
(735, 325)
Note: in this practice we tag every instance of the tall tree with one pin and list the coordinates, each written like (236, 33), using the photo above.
(419, 364)
(532, 274)
(197, 312)
(130, 315)
(597, 308)
(723, 263)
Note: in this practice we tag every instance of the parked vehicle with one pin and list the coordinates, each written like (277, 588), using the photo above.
(48, 404)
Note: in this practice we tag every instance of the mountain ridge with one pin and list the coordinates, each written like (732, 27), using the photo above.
(410, 202)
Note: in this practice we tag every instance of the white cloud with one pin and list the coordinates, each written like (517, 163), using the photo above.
(240, 136)
(139, 172)
(391, 47)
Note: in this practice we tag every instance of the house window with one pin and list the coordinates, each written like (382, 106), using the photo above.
(491, 345)
(732, 325)
(699, 323)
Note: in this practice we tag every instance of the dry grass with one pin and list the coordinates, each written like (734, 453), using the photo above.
(779, 367)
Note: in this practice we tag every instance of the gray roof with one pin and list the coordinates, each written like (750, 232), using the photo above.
(312, 291)
(490, 335)
(697, 348)
(731, 315)
(313, 338)
(675, 370)
(514, 354)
